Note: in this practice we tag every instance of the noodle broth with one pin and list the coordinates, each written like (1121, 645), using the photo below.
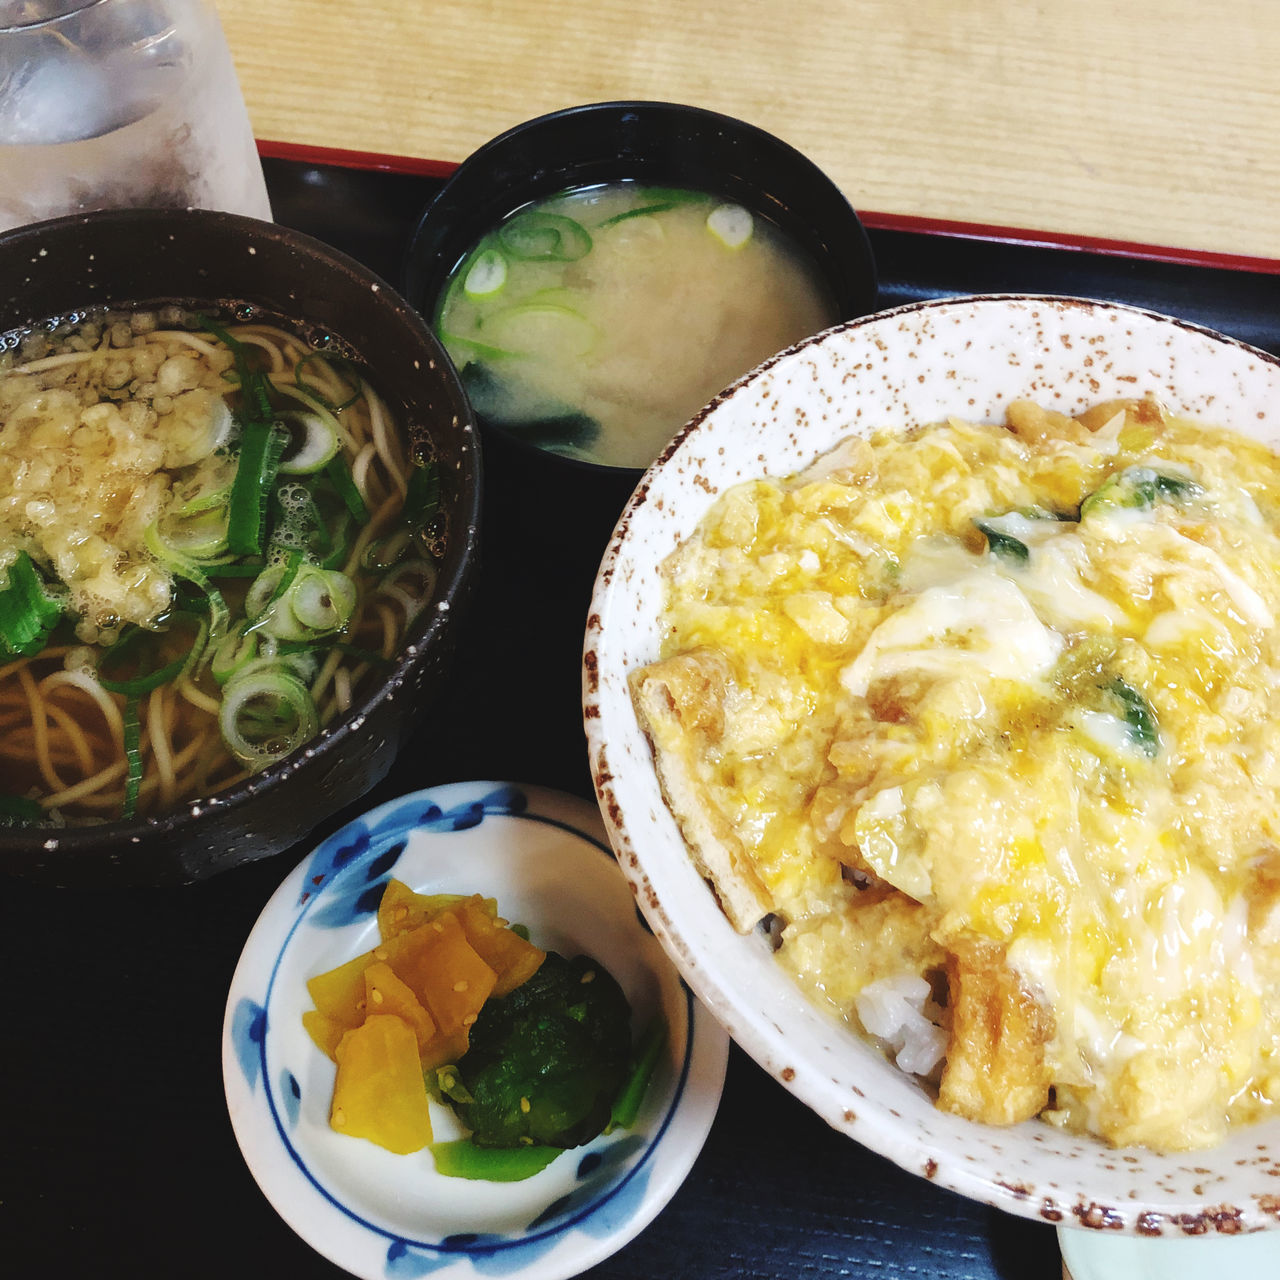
(209, 538)
(596, 323)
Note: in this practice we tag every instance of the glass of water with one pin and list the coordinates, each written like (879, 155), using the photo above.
(110, 104)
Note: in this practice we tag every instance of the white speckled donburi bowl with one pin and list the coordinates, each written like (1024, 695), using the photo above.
(918, 364)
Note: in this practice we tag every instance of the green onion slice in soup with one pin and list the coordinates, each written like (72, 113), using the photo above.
(266, 713)
(537, 236)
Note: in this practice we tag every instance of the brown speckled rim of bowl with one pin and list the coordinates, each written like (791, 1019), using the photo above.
(949, 1165)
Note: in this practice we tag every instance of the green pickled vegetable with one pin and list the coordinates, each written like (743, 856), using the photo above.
(626, 1106)
(546, 1062)
(463, 1159)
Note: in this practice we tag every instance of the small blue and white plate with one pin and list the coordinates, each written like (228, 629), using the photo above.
(545, 859)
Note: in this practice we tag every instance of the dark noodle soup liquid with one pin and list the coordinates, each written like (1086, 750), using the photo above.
(212, 532)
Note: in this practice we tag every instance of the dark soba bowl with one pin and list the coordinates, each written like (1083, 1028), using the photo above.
(197, 258)
(654, 143)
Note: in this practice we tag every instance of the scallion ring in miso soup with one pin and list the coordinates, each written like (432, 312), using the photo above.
(210, 534)
(595, 324)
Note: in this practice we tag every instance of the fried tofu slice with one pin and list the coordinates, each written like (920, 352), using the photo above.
(680, 705)
(995, 1069)
(1037, 425)
(1139, 413)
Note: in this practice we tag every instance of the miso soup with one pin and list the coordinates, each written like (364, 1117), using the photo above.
(597, 323)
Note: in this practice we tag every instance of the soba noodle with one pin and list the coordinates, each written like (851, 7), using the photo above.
(122, 566)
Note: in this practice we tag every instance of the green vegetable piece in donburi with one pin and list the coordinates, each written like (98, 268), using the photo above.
(1139, 489)
(1002, 544)
(1139, 719)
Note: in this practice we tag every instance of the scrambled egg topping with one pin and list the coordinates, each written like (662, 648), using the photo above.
(1014, 691)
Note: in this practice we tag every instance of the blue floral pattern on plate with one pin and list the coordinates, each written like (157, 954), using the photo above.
(544, 857)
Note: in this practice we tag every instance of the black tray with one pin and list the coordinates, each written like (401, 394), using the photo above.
(115, 1147)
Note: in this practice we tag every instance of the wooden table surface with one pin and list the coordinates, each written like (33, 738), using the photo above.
(1149, 121)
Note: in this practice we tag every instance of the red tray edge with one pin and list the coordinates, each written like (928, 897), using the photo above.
(303, 153)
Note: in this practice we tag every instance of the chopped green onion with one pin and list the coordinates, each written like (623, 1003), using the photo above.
(1139, 719)
(128, 666)
(206, 500)
(422, 495)
(262, 443)
(236, 649)
(269, 588)
(235, 568)
(461, 1158)
(322, 600)
(340, 477)
(28, 610)
(253, 385)
(299, 601)
(486, 274)
(261, 448)
(731, 224)
(203, 439)
(266, 713)
(312, 443)
(544, 237)
(200, 534)
(304, 664)
(184, 567)
(1139, 489)
(643, 211)
(133, 757)
(1002, 544)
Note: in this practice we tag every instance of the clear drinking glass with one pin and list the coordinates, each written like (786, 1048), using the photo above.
(121, 103)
